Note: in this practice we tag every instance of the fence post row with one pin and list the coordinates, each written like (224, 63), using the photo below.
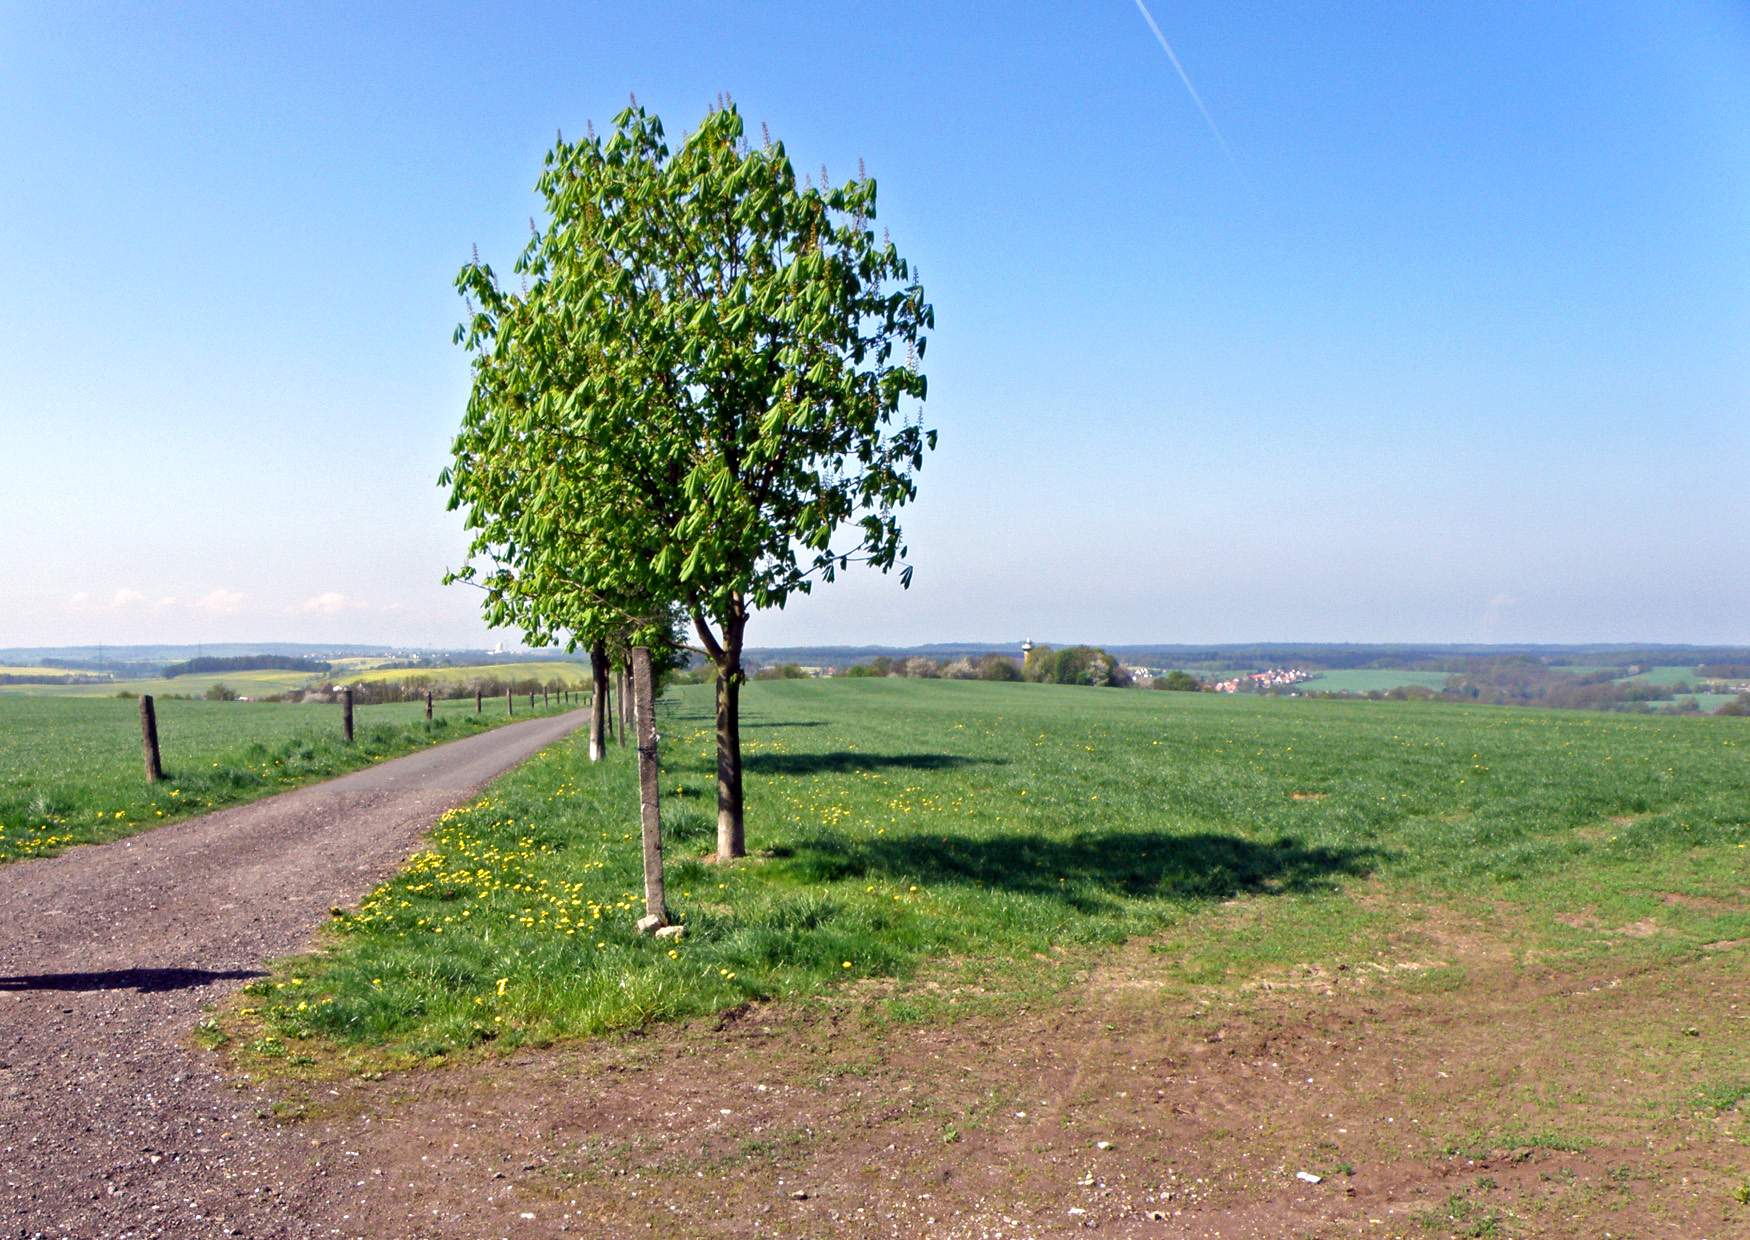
(149, 739)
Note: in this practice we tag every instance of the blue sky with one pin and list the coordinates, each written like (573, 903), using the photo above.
(1456, 346)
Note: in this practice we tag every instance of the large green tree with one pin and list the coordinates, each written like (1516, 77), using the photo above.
(698, 395)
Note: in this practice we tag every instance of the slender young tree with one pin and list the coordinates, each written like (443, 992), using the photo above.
(698, 396)
(598, 701)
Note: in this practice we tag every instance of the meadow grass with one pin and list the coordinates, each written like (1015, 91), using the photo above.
(71, 770)
(898, 825)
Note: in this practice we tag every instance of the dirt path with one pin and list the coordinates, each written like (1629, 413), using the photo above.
(109, 1125)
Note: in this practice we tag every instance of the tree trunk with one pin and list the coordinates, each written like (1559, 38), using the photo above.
(726, 655)
(626, 691)
(731, 831)
(598, 704)
(649, 803)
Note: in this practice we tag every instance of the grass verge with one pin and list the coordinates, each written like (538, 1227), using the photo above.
(71, 769)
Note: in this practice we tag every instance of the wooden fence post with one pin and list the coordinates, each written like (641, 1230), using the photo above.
(531, 699)
(509, 703)
(649, 803)
(477, 697)
(544, 699)
(428, 705)
(149, 739)
(346, 714)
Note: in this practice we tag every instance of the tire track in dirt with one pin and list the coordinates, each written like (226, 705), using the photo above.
(109, 1124)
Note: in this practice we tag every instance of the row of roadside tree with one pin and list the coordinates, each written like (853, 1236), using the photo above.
(699, 398)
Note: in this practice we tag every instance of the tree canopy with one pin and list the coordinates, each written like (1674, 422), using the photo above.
(695, 397)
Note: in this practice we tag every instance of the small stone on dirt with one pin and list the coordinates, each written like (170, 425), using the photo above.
(1308, 1176)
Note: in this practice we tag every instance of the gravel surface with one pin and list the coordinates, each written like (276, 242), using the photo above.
(110, 1125)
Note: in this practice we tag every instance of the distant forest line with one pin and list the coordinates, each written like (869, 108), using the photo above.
(1321, 656)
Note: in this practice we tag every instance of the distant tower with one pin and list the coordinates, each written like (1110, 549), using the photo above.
(1026, 652)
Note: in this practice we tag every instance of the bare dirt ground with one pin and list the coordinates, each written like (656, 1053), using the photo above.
(1512, 1102)
(110, 1124)
(1452, 1088)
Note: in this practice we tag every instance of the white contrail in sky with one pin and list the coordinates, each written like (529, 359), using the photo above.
(1186, 78)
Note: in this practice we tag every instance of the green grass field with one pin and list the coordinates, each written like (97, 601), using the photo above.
(899, 825)
(1664, 675)
(1372, 679)
(248, 684)
(358, 663)
(260, 684)
(71, 770)
(1707, 703)
(556, 671)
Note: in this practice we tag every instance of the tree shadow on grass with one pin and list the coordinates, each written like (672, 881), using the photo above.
(145, 981)
(842, 761)
(1088, 870)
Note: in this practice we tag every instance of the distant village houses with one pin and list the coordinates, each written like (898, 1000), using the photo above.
(1276, 677)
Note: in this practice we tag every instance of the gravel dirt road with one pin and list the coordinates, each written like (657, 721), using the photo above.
(109, 1124)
